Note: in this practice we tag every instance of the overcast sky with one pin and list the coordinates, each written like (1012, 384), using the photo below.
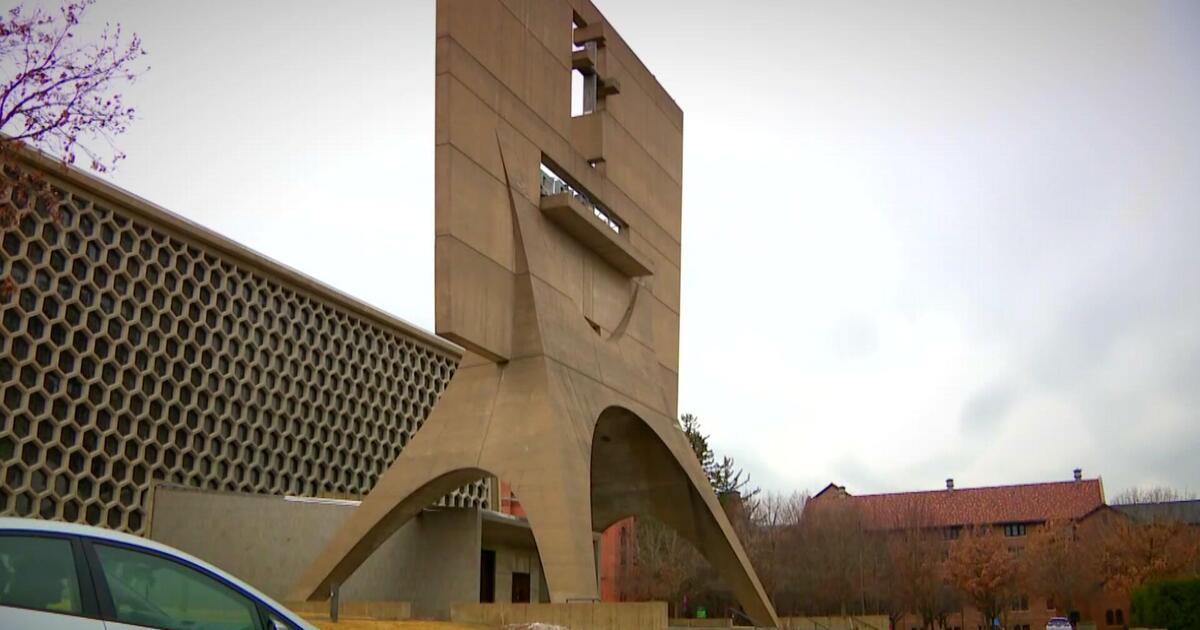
(921, 239)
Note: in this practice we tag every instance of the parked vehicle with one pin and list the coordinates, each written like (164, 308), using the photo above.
(1058, 623)
(60, 576)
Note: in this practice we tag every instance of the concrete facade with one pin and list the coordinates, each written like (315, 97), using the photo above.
(557, 266)
(617, 559)
(431, 562)
(515, 549)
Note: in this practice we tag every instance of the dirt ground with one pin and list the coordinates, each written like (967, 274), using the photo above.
(358, 624)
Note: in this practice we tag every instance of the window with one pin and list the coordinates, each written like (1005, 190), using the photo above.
(1120, 615)
(151, 591)
(552, 184)
(952, 533)
(577, 84)
(1108, 617)
(1015, 529)
(39, 573)
(1020, 602)
(583, 80)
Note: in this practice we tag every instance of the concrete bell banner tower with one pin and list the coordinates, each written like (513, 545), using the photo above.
(558, 269)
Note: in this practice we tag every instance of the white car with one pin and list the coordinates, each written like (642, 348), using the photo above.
(1058, 623)
(60, 576)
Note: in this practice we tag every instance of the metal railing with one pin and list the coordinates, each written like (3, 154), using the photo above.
(552, 184)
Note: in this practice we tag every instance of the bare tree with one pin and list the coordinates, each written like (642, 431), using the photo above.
(663, 563)
(832, 548)
(667, 566)
(1154, 494)
(912, 579)
(57, 91)
(57, 94)
(768, 532)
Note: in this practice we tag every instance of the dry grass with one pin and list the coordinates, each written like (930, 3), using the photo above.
(412, 624)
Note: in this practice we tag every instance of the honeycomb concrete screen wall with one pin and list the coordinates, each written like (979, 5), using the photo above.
(138, 347)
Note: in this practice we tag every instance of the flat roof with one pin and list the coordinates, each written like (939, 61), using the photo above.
(188, 230)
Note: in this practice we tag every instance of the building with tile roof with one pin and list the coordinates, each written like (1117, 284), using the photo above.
(989, 505)
(1017, 510)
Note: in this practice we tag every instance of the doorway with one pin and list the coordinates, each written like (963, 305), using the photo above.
(520, 588)
(487, 577)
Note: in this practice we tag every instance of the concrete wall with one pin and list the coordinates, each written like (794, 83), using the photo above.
(516, 552)
(511, 560)
(432, 562)
(444, 570)
(616, 559)
(718, 622)
(859, 622)
(589, 616)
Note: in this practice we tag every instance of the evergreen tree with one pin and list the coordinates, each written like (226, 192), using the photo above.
(699, 442)
(724, 476)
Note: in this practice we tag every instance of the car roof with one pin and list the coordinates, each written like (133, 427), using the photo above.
(10, 524)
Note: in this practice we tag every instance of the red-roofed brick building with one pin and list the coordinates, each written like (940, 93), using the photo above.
(991, 505)
(1016, 510)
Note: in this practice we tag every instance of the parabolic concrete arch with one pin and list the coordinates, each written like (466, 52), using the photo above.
(491, 421)
(577, 468)
(638, 472)
(557, 266)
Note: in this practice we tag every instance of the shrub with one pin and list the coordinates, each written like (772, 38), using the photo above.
(1171, 604)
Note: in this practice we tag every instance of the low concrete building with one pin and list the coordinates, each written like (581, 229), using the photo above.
(444, 556)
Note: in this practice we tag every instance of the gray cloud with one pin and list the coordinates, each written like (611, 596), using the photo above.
(985, 410)
(921, 240)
